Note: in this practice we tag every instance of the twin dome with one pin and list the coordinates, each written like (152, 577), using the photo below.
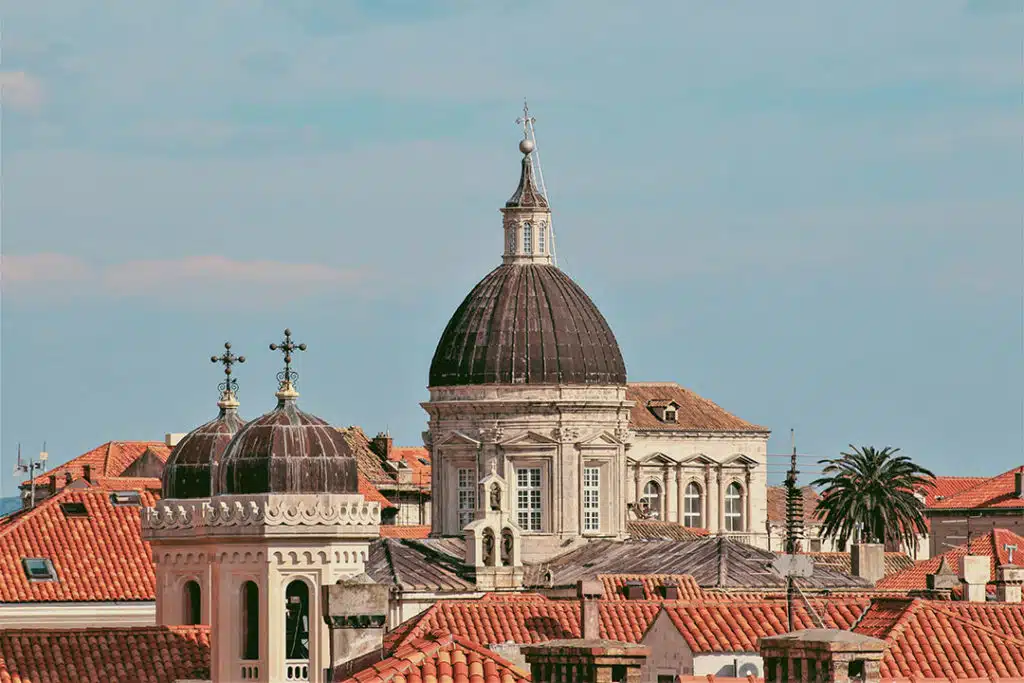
(526, 322)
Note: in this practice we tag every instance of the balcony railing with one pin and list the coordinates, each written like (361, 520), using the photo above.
(249, 671)
(296, 670)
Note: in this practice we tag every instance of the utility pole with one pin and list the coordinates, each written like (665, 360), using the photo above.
(30, 467)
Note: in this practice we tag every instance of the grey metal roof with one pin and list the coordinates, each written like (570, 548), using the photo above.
(413, 566)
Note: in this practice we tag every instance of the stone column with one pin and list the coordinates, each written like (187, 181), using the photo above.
(707, 497)
(680, 495)
(721, 498)
(748, 521)
(667, 496)
(636, 484)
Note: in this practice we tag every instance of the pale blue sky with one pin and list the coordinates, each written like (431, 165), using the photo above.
(808, 212)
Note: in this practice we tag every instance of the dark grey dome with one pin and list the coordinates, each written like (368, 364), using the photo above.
(192, 465)
(527, 324)
(288, 451)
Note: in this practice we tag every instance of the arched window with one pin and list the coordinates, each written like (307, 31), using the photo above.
(296, 620)
(542, 231)
(692, 506)
(250, 620)
(734, 508)
(512, 241)
(487, 548)
(191, 599)
(652, 499)
(527, 238)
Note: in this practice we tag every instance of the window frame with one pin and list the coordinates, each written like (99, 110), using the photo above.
(542, 242)
(530, 518)
(527, 237)
(465, 496)
(51, 572)
(591, 510)
(738, 500)
(653, 512)
(687, 514)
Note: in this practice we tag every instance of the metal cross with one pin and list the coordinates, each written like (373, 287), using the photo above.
(1009, 549)
(286, 347)
(227, 359)
(526, 120)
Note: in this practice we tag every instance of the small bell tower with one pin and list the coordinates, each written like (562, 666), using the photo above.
(493, 540)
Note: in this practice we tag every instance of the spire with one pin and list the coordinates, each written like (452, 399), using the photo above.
(286, 378)
(529, 238)
(529, 193)
(229, 387)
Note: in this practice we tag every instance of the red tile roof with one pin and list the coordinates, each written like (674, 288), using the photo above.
(151, 654)
(951, 639)
(109, 460)
(695, 413)
(949, 486)
(777, 505)
(98, 557)
(991, 544)
(418, 460)
(997, 492)
(440, 656)
(615, 585)
(371, 493)
(404, 531)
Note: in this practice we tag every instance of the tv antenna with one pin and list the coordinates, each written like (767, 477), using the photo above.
(30, 467)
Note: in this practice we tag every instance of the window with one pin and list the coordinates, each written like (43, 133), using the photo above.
(734, 508)
(191, 599)
(542, 231)
(652, 499)
(38, 569)
(692, 505)
(591, 498)
(250, 620)
(512, 240)
(296, 620)
(528, 497)
(123, 498)
(670, 414)
(74, 510)
(467, 495)
(527, 238)
(670, 678)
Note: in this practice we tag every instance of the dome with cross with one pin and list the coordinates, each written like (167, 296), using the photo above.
(287, 450)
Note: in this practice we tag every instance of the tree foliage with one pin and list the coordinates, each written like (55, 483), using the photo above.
(872, 491)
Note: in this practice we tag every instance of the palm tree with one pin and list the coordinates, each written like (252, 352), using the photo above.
(873, 491)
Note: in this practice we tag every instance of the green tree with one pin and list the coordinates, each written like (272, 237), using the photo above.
(872, 491)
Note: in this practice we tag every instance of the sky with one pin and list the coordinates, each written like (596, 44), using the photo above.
(808, 212)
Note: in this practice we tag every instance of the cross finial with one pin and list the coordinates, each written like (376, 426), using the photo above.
(526, 120)
(288, 376)
(227, 359)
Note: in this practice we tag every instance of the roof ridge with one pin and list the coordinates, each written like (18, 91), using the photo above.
(976, 624)
(484, 651)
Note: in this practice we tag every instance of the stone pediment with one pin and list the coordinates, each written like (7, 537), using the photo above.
(456, 438)
(699, 459)
(529, 439)
(600, 439)
(657, 459)
(740, 460)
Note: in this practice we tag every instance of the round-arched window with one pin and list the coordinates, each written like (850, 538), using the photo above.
(734, 507)
(651, 499)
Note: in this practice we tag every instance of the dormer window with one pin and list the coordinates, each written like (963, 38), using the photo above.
(38, 569)
(664, 409)
(670, 414)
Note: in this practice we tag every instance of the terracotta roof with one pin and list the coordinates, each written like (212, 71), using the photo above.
(109, 460)
(951, 639)
(124, 484)
(371, 493)
(777, 505)
(894, 562)
(150, 654)
(418, 460)
(404, 531)
(651, 529)
(997, 492)
(944, 487)
(370, 465)
(100, 556)
(991, 544)
(441, 656)
(651, 584)
(695, 413)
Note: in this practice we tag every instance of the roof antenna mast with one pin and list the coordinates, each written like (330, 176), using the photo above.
(529, 133)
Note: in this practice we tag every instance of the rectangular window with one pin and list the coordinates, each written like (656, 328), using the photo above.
(541, 233)
(528, 499)
(591, 499)
(38, 569)
(527, 238)
(74, 509)
(467, 495)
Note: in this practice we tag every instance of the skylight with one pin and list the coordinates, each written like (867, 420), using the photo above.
(38, 569)
(123, 498)
(74, 509)
(424, 461)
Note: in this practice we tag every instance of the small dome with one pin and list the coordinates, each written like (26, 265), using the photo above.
(192, 466)
(288, 451)
(527, 324)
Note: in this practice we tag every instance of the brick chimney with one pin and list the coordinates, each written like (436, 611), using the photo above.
(867, 560)
(381, 445)
(356, 613)
(87, 473)
(1009, 579)
(600, 661)
(974, 574)
(67, 478)
(590, 594)
(822, 655)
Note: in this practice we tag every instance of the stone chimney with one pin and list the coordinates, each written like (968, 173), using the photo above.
(381, 445)
(171, 440)
(599, 661)
(943, 581)
(53, 484)
(67, 478)
(1018, 483)
(1009, 579)
(87, 473)
(867, 560)
(975, 571)
(356, 613)
(590, 594)
(822, 655)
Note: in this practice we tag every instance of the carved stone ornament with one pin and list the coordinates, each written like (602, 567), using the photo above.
(492, 434)
(624, 434)
(565, 434)
(428, 439)
(261, 511)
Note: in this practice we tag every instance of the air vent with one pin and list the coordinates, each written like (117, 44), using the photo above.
(125, 498)
(74, 510)
(670, 591)
(633, 590)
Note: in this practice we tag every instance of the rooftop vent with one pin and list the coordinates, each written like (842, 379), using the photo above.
(74, 510)
(670, 591)
(38, 569)
(633, 590)
(125, 498)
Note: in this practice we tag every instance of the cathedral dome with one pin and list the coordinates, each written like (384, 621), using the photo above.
(287, 450)
(192, 466)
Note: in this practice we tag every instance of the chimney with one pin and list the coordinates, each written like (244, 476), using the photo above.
(579, 660)
(87, 473)
(1018, 483)
(356, 613)
(171, 440)
(819, 654)
(633, 590)
(1009, 579)
(67, 478)
(975, 571)
(943, 581)
(381, 445)
(867, 560)
(590, 594)
(53, 484)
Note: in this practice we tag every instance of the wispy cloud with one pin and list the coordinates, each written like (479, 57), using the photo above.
(20, 90)
(192, 279)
